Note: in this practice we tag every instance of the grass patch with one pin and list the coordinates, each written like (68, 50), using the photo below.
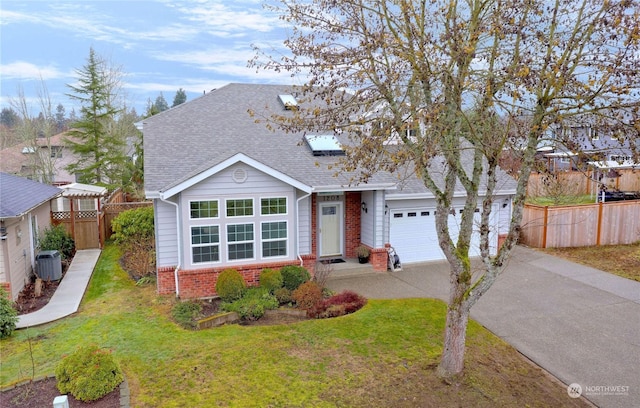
(561, 200)
(621, 260)
(383, 355)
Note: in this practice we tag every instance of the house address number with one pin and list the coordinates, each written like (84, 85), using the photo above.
(331, 198)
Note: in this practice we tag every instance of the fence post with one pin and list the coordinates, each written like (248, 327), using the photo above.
(544, 227)
(600, 209)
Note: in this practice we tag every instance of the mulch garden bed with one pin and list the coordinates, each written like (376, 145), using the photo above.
(40, 394)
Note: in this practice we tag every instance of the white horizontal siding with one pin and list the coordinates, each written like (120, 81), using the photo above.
(223, 183)
(166, 234)
(367, 219)
(304, 226)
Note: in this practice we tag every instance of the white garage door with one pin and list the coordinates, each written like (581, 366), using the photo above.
(413, 234)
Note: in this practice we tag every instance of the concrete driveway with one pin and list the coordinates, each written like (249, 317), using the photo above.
(580, 324)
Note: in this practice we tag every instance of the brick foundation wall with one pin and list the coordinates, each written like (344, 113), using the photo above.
(201, 283)
(7, 288)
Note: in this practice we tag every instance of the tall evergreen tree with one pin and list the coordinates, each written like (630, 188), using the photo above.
(161, 103)
(101, 154)
(61, 120)
(181, 97)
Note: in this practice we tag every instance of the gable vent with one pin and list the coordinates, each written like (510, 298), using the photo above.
(239, 175)
(288, 101)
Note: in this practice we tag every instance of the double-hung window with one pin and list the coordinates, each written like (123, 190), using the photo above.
(273, 233)
(274, 239)
(240, 239)
(205, 238)
(205, 243)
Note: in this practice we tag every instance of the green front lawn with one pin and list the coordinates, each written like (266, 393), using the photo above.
(383, 355)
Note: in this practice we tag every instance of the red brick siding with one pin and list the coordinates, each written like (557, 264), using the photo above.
(379, 259)
(352, 204)
(201, 283)
(7, 287)
(314, 223)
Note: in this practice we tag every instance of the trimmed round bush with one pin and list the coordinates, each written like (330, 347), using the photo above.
(294, 276)
(283, 295)
(8, 315)
(230, 285)
(271, 279)
(185, 313)
(89, 373)
(308, 296)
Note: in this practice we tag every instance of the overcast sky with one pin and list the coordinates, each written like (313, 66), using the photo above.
(161, 45)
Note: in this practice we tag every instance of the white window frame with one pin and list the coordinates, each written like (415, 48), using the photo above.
(285, 239)
(203, 218)
(253, 208)
(286, 206)
(208, 244)
(229, 242)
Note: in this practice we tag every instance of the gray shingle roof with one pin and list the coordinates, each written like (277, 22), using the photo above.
(18, 195)
(186, 140)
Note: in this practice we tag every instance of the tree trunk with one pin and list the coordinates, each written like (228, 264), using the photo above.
(452, 360)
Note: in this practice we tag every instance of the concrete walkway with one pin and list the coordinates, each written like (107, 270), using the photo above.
(580, 324)
(66, 299)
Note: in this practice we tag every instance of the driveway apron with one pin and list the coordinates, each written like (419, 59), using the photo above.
(580, 324)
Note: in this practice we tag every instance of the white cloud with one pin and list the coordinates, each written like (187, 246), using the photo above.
(27, 71)
(222, 20)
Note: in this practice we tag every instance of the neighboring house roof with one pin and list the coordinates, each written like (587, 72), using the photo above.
(19, 195)
(206, 134)
(18, 157)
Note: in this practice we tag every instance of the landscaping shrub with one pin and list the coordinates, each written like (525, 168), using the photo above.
(230, 285)
(283, 295)
(133, 225)
(185, 314)
(252, 304)
(133, 231)
(271, 279)
(341, 304)
(308, 297)
(56, 238)
(294, 276)
(88, 374)
(8, 315)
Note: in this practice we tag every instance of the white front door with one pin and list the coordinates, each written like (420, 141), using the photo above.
(330, 229)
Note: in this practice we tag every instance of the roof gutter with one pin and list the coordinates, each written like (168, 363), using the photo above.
(364, 187)
(175, 272)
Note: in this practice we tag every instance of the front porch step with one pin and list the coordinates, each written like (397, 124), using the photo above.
(351, 267)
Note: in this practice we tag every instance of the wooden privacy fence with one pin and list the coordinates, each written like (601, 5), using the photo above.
(579, 183)
(581, 225)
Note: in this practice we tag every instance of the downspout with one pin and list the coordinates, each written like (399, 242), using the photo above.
(298, 226)
(175, 272)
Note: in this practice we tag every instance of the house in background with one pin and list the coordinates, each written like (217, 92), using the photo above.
(228, 192)
(576, 142)
(25, 211)
(39, 157)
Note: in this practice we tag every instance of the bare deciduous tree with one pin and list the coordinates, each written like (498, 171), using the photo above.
(461, 72)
